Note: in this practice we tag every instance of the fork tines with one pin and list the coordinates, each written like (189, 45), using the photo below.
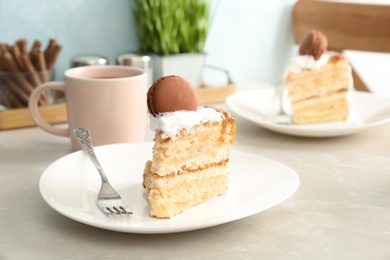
(116, 210)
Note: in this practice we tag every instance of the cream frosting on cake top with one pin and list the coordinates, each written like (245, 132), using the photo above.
(171, 122)
(307, 62)
(313, 53)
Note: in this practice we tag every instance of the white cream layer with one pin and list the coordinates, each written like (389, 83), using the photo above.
(169, 123)
(307, 62)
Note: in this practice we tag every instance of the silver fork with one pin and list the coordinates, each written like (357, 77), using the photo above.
(108, 200)
(282, 117)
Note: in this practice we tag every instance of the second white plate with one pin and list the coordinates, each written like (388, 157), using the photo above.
(70, 186)
(368, 110)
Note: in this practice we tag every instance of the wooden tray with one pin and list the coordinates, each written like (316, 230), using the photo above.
(208, 95)
(20, 117)
(54, 114)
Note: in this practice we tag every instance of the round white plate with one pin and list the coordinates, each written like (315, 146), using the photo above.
(70, 186)
(367, 110)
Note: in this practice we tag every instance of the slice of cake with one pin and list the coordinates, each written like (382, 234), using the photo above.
(318, 82)
(191, 149)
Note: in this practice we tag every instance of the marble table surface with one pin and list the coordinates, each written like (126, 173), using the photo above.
(341, 209)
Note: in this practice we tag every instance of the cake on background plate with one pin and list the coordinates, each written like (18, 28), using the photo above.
(318, 82)
(191, 149)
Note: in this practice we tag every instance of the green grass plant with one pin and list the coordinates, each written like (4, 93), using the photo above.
(167, 27)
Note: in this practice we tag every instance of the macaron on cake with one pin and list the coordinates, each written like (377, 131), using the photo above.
(170, 94)
(318, 82)
(191, 149)
(315, 43)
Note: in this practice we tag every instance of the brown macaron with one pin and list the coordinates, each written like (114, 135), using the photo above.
(171, 93)
(315, 43)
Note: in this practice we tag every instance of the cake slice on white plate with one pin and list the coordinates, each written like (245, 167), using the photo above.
(318, 82)
(191, 149)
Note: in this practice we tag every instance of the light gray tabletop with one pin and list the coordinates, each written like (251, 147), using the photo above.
(341, 209)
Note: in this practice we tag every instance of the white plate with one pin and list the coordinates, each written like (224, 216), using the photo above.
(70, 186)
(367, 110)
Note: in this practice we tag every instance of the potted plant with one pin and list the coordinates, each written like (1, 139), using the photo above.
(174, 33)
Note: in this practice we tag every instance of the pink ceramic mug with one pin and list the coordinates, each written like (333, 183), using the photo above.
(110, 101)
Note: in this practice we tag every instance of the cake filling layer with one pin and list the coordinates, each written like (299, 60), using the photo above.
(188, 170)
(305, 104)
(170, 196)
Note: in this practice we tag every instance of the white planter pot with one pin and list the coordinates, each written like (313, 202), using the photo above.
(187, 65)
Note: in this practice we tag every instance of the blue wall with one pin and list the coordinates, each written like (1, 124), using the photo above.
(251, 38)
(81, 27)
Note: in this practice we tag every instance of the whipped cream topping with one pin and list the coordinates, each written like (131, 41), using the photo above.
(169, 123)
(307, 62)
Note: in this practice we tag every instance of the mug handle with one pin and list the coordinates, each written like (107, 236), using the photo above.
(33, 108)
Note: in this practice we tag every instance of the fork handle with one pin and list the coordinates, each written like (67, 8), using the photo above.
(83, 137)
